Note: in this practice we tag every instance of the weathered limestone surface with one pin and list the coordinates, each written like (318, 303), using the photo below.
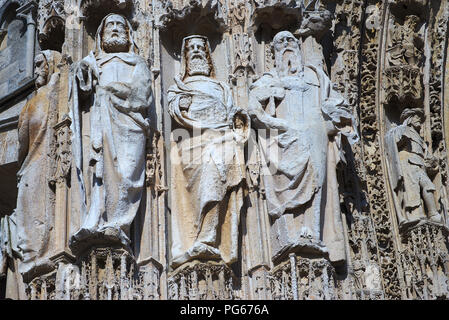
(224, 149)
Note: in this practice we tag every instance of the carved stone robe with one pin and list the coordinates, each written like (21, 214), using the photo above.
(34, 213)
(109, 132)
(208, 165)
(299, 162)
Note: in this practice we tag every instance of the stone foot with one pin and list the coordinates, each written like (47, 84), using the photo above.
(86, 238)
(198, 251)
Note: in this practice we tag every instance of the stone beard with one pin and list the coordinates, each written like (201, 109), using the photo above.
(34, 215)
(198, 63)
(208, 167)
(304, 119)
(109, 141)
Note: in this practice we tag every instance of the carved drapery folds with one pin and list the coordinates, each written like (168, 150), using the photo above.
(210, 158)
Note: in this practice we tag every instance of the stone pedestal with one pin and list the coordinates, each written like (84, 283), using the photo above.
(425, 261)
(202, 281)
(303, 278)
(99, 274)
(366, 294)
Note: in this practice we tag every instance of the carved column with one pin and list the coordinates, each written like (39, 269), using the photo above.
(28, 13)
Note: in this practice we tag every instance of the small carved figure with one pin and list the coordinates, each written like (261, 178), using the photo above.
(208, 168)
(111, 97)
(411, 164)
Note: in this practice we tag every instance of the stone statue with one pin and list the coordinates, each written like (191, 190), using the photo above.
(208, 166)
(34, 214)
(302, 122)
(411, 163)
(110, 103)
(406, 43)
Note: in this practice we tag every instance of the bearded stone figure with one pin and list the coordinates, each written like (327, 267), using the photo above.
(110, 104)
(34, 214)
(207, 158)
(411, 164)
(302, 123)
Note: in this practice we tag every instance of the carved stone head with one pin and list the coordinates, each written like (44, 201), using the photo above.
(287, 54)
(196, 57)
(114, 35)
(411, 21)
